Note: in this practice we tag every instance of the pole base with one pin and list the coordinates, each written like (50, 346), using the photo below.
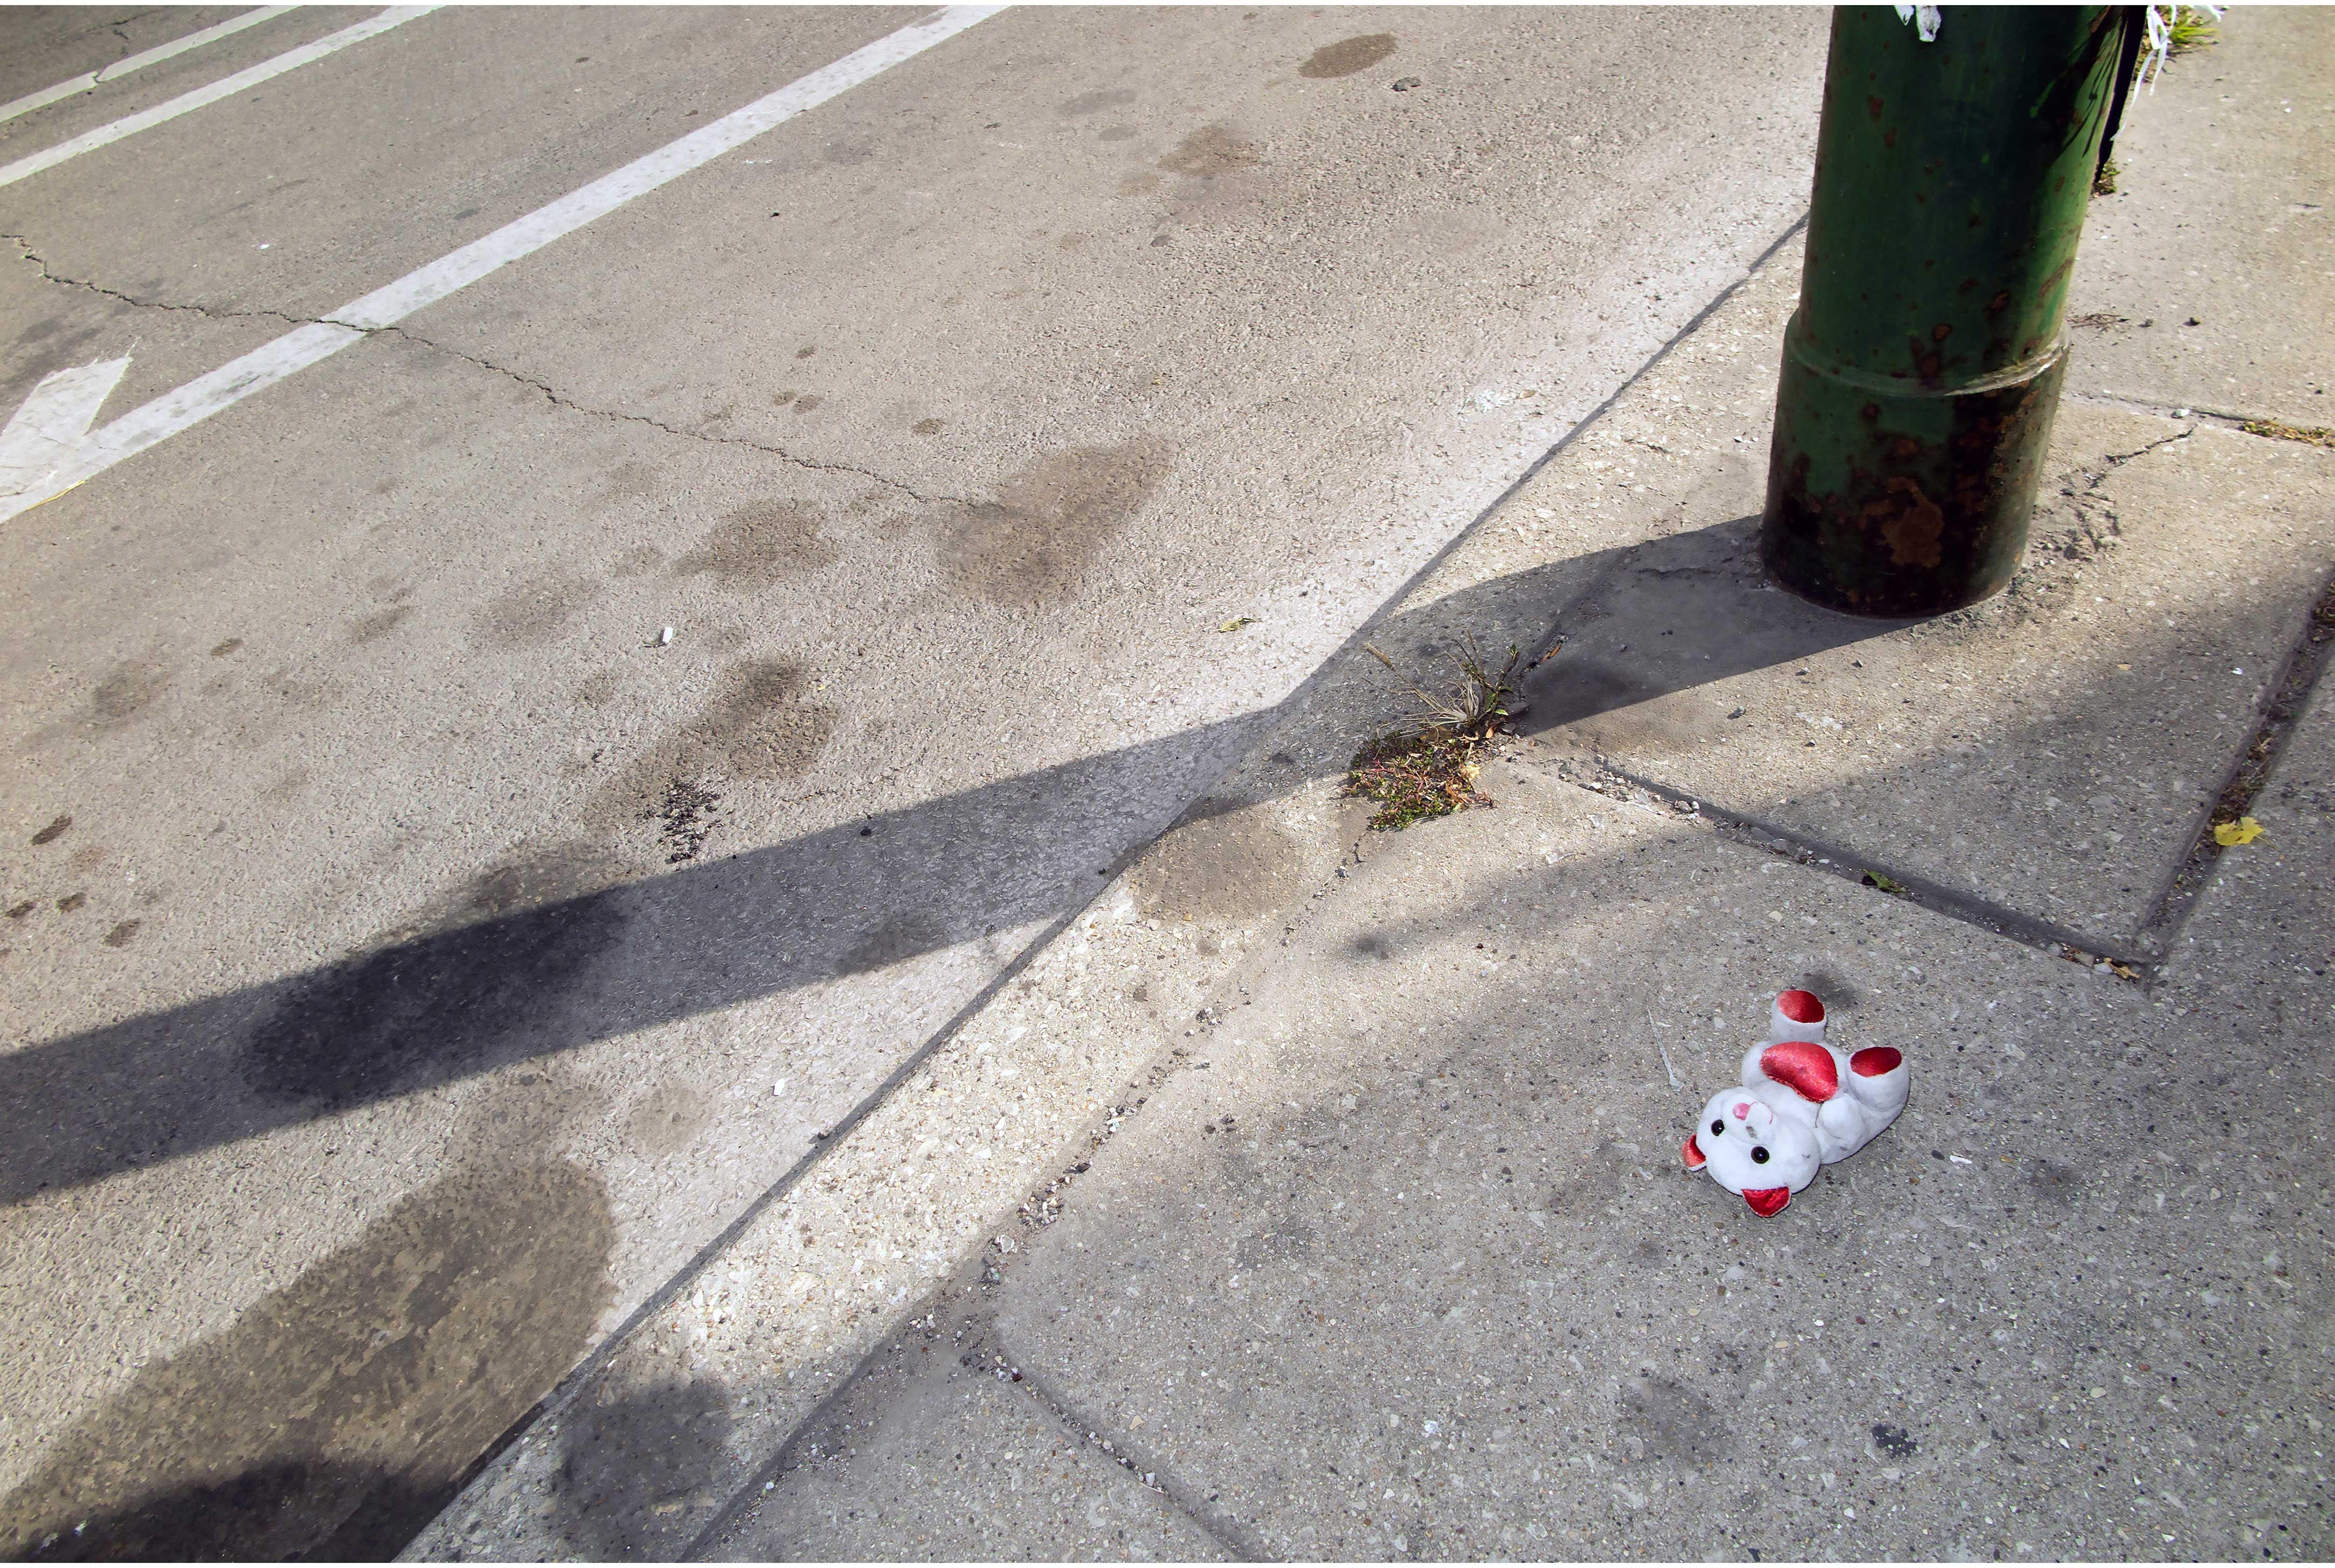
(1892, 501)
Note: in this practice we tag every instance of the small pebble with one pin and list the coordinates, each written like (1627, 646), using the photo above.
(1405, 84)
(664, 637)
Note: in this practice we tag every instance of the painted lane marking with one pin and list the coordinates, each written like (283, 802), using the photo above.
(225, 87)
(121, 68)
(49, 427)
(297, 350)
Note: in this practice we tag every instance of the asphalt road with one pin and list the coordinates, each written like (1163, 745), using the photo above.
(413, 957)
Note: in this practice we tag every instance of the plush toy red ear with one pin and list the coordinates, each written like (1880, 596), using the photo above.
(1768, 1201)
(1695, 1159)
(1804, 1067)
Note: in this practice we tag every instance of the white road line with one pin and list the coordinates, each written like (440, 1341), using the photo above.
(297, 350)
(55, 418)
(121, 68)
(225, 87)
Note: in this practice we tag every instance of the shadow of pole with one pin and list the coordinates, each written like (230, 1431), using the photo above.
(452, 1003)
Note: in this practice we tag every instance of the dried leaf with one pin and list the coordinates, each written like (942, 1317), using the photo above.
(2244, 831)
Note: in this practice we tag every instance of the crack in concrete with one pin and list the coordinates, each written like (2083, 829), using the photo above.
(208, 312)
(549, 393)
(571, 406)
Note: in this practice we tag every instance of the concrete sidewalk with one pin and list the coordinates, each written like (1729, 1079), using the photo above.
(1340, 1213)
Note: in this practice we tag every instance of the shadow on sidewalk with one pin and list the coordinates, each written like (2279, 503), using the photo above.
(476, 994)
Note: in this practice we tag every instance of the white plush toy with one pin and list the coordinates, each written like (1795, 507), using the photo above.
(1803, 1105)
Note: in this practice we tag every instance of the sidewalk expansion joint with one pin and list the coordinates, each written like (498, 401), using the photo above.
(2284, 698)
(580, 1377)
(978, 1280)
(2124, 963)
(1182, 1496)
(2218, 419)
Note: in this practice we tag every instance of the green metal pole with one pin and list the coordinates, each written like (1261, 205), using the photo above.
(1923, 368)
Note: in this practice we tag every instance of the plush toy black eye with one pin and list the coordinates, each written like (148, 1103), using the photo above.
(1758, 1156)
(1718, 1130)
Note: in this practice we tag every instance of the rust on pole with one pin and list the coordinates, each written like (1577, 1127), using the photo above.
(1922, 367)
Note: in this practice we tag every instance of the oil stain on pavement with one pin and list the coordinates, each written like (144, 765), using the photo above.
(126, 690)
(1347, 56)
(338, 1414)
(755, 726)
(759, 546)
(1034, 545)
(1218, 865)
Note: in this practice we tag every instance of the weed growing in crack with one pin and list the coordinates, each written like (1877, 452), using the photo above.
(1427, 767)
(2279, 429)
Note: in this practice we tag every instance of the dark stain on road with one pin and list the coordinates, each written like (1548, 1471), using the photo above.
(598, 689)
(1033, 545)
(335, 1415)
(1674, 1422)
(754, 727)
(1596, 1179)
(491, 977)
(632, 481)
(224, 649)
(379, 624)
(927, 427)
(126, 691)
(667, 1120)
(71, 901)
(529, 878)
(1211, 150)
(531, 614)
(121, 934)
(2057, 1183)
(54, 830)
(758, 546)
(1218, 865)
(1093, 102)
(1347, 55)
(300, 692)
